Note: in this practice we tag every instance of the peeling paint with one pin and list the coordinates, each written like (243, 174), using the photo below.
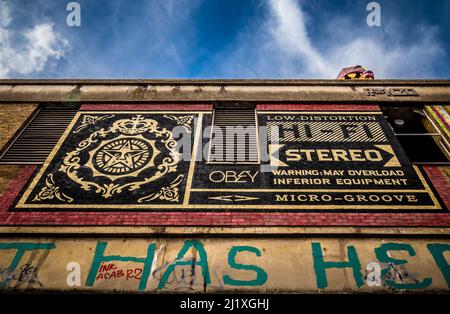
(222, 264)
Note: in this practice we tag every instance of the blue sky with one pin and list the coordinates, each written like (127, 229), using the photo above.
(223, 39)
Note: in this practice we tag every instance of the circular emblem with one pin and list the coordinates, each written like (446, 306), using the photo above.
(140, 152)
(122, 156)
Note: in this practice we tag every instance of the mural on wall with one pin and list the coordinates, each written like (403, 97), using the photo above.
(337, 160)
(213, 265)
(114, 159)
(319, 160)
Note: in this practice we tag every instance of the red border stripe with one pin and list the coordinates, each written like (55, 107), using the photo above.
(320, 107)
(14, 187)
(185, 218)
(145, 107)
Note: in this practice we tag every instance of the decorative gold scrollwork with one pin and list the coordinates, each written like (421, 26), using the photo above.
(51, 191)
(134, 126)
(184, 121)
(170, 193)
(91, 120)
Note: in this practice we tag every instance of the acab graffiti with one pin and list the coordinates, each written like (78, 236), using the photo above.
(223, 265)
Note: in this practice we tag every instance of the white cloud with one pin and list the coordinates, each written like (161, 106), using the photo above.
(5, 14)
(29, 51)
(279, 45)
(290, 34)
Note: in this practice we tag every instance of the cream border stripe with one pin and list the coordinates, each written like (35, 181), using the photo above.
(198, 132)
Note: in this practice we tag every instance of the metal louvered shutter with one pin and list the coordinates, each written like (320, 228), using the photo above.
(37, 139)
(234, 136)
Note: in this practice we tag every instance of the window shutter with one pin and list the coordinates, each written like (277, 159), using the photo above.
(234, 136)
(37, 139)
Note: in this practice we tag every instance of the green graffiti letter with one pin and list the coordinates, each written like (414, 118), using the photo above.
(179, 261)
(21, 248)
(320, 266)
(437, 250)
(261, 275)
(383, 256)
(99, 258)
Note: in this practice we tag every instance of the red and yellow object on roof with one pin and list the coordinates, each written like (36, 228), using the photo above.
(356, 72)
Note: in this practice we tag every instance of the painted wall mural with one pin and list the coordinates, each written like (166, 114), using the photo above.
(218, 264)
(333, 160)
(113, 159)
(337, 160)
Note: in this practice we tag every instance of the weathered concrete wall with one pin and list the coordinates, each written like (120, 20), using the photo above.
(373, 91)
(222, 264)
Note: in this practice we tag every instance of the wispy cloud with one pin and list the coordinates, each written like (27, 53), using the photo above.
(170, 38)
(27, 51)
(138, 39)
(279, 45)
(288, 30)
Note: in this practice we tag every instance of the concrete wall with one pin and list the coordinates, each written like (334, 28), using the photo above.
(270, 264)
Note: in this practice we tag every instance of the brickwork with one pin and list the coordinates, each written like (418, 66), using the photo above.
(440, 181)
(12, 118)
(137, 107)
(8, 173)
(320, 107)
(14, 181)
(209, 107)
(436, 174)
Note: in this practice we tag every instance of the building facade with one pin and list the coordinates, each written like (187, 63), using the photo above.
(225, 186)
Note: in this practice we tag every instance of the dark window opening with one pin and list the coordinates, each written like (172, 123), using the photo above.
(418, 134)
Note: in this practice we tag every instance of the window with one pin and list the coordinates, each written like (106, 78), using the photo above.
(234, 134)
(37, 139)
(418, 134)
